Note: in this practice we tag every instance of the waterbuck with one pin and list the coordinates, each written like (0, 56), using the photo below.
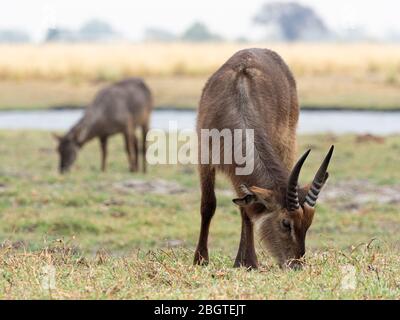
(119, 108)
(255, 90)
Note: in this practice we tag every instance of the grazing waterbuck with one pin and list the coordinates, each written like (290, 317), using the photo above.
(255, 90)
(119, 108)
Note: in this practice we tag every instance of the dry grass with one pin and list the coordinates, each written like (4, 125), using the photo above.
(177, 92)
(69, 222)
(105, 62)
(58, 273)
(328, 75)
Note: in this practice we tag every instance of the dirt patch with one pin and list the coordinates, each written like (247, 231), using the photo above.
(3, 187)
(113, 202)
(352, 195)
(363, 138)
(157, 186)
(174, 243)
(349, 195)
(13, 244)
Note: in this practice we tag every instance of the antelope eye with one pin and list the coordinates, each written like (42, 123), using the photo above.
(286, 224)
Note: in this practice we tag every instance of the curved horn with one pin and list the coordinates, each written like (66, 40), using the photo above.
(292, 197)
(319, 180)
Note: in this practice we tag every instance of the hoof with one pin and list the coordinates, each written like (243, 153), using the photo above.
(200, 259)
(249, 265)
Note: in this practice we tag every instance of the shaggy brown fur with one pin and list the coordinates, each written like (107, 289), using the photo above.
(255, 90)
(118, 108)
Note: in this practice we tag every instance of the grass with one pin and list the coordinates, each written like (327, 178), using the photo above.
(168, 273)
(106, 242)
(111, 62)
(329, 75)
(176, 92)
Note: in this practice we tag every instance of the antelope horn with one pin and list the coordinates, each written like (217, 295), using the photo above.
(319, 180)
(292, 197)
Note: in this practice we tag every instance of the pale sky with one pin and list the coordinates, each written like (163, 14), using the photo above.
(227, 17)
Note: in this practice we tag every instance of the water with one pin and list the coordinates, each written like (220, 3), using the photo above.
(338, 122)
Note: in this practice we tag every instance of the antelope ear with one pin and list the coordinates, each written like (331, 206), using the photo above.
(247, 200)
(81, 135)
(262, 194)
(254, 195)
(56, 136)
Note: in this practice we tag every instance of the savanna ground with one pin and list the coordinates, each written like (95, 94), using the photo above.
(106, 236)
(360, 76)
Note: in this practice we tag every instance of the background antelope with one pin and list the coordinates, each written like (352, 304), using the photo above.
(255, 90)
(118, 108)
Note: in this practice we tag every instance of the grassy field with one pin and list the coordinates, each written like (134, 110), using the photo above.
(328, 75)
(104, 239)
(175, 92)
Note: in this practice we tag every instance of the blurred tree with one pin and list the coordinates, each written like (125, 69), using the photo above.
(293, 21)
(242, 39)
(14, 36)
(92, 31)
(157, 34)
(61, 35)
(199, 32)
(97, 30)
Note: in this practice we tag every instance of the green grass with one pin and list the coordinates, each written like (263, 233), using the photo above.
(105, 242)
(177, 92)
(315, 92)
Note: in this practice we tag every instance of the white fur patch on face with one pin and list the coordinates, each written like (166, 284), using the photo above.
(263, 227)
(260, 220)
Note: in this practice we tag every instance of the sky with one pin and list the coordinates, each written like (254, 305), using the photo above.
(230, 18)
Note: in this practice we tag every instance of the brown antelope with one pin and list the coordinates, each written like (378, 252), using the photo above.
(118, 108)
(255, 90)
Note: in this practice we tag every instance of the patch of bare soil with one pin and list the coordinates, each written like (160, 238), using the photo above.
(157, 186)
(174, 243)
(352, 195)
(363, 138)
(348, 195)
(13, 245)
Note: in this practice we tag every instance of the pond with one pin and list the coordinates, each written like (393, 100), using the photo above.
(338, 122)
